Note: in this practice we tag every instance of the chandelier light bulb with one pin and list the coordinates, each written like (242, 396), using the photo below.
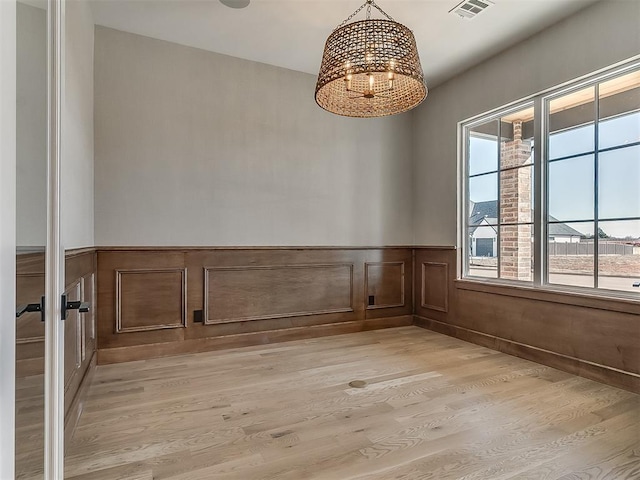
(347, 80)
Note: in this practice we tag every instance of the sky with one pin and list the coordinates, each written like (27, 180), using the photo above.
(571, 181)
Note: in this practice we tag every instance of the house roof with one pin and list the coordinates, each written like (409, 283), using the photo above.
(486, 222)
(482, 210)
(562, 229)
(489, 211)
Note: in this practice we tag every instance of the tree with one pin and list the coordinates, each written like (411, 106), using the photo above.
(602, 234)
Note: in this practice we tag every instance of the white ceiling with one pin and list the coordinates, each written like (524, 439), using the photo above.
(291, 33)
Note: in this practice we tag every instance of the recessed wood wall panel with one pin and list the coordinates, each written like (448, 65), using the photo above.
(109, 262)
(434, 276)
(384, 284)
(236, 294)
(435, 286)
(253, 294)
(150, 299)
(89, 295)
(583, 334)
(602, 337)
(72, 337)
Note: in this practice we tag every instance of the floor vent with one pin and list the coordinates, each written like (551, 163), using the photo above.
(470, 8)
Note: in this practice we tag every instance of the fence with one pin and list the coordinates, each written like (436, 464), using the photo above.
(586, 248)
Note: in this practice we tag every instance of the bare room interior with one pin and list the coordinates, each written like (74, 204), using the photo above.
(320, 239)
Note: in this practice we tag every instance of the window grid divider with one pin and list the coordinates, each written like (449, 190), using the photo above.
(540, 203)
(592, 152)
(596, 195)
(476, 175)
(498, 212)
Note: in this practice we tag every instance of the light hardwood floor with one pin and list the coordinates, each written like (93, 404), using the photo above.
(434, 408)
(29, 427)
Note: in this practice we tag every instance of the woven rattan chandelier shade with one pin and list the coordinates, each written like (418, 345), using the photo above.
(370, 68)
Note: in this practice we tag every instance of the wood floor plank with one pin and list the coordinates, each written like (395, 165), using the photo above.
(433, 407)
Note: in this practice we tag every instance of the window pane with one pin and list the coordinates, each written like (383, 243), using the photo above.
(483, 251)
(618, 98)
(571, 258)
(483, 148)
(571, 187)
(516, 195)
(619, 131)
(571, 142)
(516, 252)
(619, 255)
(619, 183)
(483, 199)
(571, 124)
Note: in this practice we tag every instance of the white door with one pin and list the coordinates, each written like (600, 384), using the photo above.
(37, 400)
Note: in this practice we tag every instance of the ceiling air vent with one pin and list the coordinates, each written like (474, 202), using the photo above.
(470, 8)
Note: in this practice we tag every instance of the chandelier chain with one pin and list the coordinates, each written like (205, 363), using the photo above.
(368, 4)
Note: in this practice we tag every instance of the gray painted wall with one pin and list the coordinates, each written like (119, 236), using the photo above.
(198, 148)
(77, 142)
(31, 120)
(594, 38)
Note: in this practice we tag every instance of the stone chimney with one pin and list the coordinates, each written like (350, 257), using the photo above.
(515, 207)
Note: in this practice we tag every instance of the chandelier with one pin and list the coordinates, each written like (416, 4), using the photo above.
(370, 68)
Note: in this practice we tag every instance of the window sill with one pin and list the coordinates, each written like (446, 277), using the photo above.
(547, 294)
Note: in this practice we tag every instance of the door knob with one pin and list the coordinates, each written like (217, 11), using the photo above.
(31, 307)
(82, 307)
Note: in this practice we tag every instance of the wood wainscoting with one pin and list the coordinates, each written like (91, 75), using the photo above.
(80, 332)
(586, 335)
(157, 302)
(165, 301)
(80, 339)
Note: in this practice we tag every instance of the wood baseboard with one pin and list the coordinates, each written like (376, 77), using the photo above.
(143, 352)
(593, 371)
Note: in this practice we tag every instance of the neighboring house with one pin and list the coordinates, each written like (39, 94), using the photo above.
(484, 231)
(563, 233)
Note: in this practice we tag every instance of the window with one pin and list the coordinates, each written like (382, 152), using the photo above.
(500, 193)
(584, 214)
